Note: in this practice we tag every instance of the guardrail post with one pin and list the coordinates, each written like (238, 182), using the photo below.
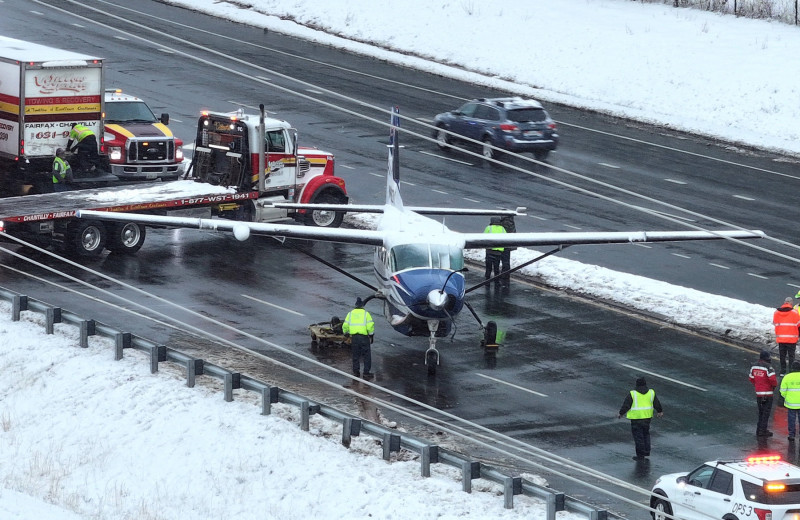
(511, 486)
(52, 316)
(19, 303)
(194, 367)
(157, 353)
(598, 514)
(123, 341)
(233, 380)
(87, 329)
(391, 442)
(469, 471)
(269, 395)
(351, 427)
(430, 455)
(305, 412)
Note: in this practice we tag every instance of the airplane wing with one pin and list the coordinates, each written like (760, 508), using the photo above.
(242, 230)
(420, 210)
(489, 240)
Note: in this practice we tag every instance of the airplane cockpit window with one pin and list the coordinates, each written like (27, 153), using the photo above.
(276, 141)
(410, 256)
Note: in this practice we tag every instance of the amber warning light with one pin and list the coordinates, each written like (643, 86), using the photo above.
(763, 459)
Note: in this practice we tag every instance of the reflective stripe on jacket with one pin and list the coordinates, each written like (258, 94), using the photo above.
(790, 390)
(642, 407)
(786, 321)
(358, 321)
(495, 228)
(80, 132)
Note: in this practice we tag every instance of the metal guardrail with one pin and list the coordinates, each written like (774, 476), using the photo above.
(352, 426)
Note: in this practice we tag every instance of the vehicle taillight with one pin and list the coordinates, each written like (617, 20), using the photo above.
(763, 514)
(506, 127)
(551, 125)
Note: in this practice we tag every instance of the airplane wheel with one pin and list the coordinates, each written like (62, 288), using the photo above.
(431, 363)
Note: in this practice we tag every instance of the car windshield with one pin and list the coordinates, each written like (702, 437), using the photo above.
(129, 111)
(757, 493)
(522, 115)
(431, 256)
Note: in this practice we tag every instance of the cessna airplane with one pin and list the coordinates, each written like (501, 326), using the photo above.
(418, 262)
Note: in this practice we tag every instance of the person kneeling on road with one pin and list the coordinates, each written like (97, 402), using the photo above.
(358, 325)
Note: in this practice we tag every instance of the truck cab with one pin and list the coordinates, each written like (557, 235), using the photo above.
(138, 145)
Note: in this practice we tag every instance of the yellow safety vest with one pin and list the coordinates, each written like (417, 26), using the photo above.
(790, 390)
(358, 321)
(79, 133)
(60, 168)
(642, 407)
(495, 228)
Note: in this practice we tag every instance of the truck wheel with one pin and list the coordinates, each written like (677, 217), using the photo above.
(126, 237)
(327, 219)
(87, 238)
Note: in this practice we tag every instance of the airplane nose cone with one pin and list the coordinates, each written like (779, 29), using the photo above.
(437, 299)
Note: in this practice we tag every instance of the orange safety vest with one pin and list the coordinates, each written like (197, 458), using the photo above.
(786, 321)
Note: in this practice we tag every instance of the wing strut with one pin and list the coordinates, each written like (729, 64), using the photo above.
(334, 267)
(520, 266)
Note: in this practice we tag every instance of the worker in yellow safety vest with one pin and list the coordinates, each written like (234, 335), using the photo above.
(494, 254)
(62, 172)
(83, 142)
(790, 391)
(358, 325)
(638, 406)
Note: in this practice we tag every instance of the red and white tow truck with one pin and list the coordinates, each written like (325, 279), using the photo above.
(243, 166)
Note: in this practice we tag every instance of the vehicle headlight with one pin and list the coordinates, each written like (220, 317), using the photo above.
(115, 153)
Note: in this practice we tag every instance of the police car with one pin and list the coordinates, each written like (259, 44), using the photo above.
(758, 488)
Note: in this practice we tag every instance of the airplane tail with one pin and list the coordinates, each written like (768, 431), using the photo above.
(393, 175)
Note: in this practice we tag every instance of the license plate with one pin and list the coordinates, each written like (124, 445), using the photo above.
(533, 133)
(150, 175)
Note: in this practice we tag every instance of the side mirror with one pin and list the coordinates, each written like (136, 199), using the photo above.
(681, 480)
(165, 119)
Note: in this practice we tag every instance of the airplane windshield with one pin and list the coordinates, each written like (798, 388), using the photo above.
(434, 256)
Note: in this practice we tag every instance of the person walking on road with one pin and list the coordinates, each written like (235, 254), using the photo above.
(786, 320)
(494, 255)
(638, 406)
(762, 375)
(358, 325)
(790, 390)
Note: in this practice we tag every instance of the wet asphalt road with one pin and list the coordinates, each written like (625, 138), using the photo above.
(570, 362)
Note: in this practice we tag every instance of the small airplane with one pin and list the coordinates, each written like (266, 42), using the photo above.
(418, 262)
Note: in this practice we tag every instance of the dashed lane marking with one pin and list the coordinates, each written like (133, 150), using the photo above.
(472, 200)
(273, 305)
(511, 385)
(718, 265)
(440, 191)
(614, 166)
(638, 369)
(758, 276)
(346, 166)
(571, 226)
(674, 181)
(742, 197)
(680, 255)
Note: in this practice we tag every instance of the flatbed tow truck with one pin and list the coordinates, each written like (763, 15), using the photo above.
(243, 167)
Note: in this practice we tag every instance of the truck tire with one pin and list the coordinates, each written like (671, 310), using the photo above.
(86, 238)
(326, 219)
(126, 237)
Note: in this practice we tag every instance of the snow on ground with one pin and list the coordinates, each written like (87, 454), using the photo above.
(82, 436)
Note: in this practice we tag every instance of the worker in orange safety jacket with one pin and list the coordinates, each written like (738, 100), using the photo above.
(786, 320)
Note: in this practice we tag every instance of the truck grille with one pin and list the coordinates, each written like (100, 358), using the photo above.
(151, 150)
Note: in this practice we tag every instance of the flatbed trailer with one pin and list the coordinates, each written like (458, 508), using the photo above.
(49, 219)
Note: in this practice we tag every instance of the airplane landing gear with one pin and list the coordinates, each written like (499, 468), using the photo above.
(432, 355)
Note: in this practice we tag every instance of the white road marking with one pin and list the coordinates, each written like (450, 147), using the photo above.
(121, 38)
(663, 377)
(537, 217)
(250, 107)
(680, 255)
(176, 120)
(609, 165)
(643, 245)
(445, 158)
(409, 183)
(512, 385)
(312, 91)
(440, 191)
(720, 266)
(77, 25)
(674, 181)
(37, 12)
(264, 78)
(346, 166)
(793, 285)
(758, 276)
(472, 200)
(166, 51)
(273, 305)
(742, 197)
(381, 175)
(571, 226)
